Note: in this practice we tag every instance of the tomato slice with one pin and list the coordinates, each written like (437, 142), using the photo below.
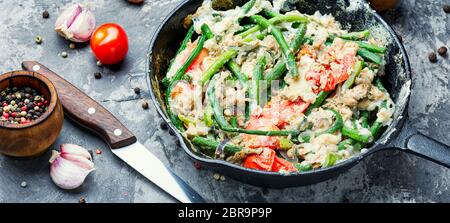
(262, 161)
(268, 161)
(198, 60)
(282, 164)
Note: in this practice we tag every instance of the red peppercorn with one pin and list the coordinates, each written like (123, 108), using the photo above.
(13, 114)
(98, 151)
(5, 115)
(39, 104)
(5, 104)
(24, 108)
(45, 102)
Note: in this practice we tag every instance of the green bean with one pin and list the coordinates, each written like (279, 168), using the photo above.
(379, 85)
(356, 35)
(375, 129)
(212, 145)
(367, 55)
(331, 159)
(244, 28)
(256, 78)
(207, 31)
(248, 6)
(234, 122)
(217, 109)
(318, 102)
(218, 63)
(355, 73)
(263, 132)
(189, 60)
(275, 20)
(303, 167)
(270, 14)
(234, 68)
(280, 67)
(173, 118)
(207, 116)
(371, 47)
(338, 123)
(365, 119)
(276, 33)
(355, 134)
(343, 144)
(183, 45)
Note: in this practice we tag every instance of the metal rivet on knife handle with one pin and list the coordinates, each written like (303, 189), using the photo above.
(36, 67)
(117, 132)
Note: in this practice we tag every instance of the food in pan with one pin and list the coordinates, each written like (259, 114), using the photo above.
(274, 91)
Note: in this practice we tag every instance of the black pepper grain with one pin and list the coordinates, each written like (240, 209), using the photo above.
(82, 200)
(446, 8)
(171, 132)
(442, 50)
(432, 57)
(45, 14)
(137, 90)
(97, 75)
(163, 126)
(145, 105)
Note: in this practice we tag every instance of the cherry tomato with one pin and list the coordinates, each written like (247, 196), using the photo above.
(109, 43)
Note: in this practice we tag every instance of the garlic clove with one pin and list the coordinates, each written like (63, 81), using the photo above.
(75, 24)
(67, 175)
(75, 150)
(83, 26)
(79, 161)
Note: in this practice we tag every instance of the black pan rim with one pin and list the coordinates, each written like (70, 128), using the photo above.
(377, 146)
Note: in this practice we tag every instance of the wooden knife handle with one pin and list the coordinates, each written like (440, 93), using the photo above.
(85, 110)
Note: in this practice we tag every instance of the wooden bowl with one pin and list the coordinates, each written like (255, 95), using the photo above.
(34, 138)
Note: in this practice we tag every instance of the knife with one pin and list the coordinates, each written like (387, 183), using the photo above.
(87, 112)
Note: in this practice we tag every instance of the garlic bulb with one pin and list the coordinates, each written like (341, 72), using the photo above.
(76, 24)
(70, 167)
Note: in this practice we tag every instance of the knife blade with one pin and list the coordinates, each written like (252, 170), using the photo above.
(90, 114)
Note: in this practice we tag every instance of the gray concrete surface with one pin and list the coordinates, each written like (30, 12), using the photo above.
(384, 177)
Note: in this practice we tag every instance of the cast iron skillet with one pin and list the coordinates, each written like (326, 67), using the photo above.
(355, 16)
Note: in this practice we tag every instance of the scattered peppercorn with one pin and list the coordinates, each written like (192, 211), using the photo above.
(446, 8)
(136, 1)
(21, 106)
(72, 45)
(64, 54)
(38, 39)
(82, 200)
(98, 151)
(137, 90)
(145, 105)
(216, 176)
(45, 14)
(432, 57)
(442, 50)
(23, 184)
(163, 126)
(97, 75)
(197, 166)
(222, 178)
(171, 132)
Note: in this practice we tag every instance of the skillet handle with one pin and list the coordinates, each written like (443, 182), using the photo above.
(429, 149)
